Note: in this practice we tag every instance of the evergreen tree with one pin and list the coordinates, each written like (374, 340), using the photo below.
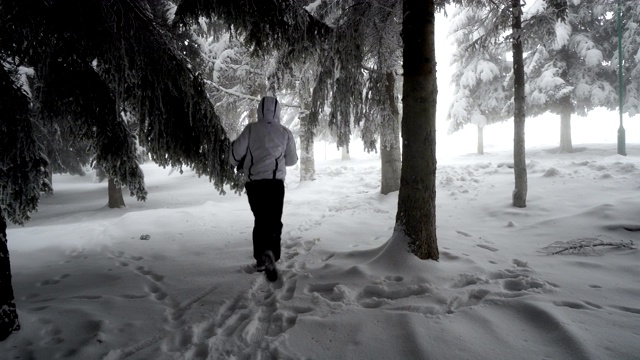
(285, 23)
(565, 73)
(565, 67)
(282, 65)
(416, 217)
(382, 111)
(67, 153)
(96, 64)
(309, 120)
(519, 195)
(630, 51)
(480, 75)
(365, 52)
(505, 21)
(68, 149)
(380, 36)
(22, 178)
(365, 35)
(234, 79)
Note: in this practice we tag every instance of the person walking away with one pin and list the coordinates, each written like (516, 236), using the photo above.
(262, 152)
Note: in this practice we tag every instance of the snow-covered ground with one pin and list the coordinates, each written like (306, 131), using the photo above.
(90, 285)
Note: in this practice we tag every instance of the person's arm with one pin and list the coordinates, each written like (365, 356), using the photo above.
(239, 147)
(290, 154)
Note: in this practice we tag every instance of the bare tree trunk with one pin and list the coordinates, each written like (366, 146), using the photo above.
(480, 140)
(8, 314)
(307, 160)
(256, 92)
(390, 155)
(565, 126)
(115, 195)
(50, 176)
(345, 153)
(416, 215)
(519, 195)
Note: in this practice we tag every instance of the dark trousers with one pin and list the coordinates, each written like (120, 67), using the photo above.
(266, 198)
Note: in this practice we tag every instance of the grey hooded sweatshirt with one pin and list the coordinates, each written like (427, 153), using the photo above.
(268, 145)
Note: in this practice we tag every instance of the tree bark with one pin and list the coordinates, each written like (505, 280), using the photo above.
(480, 148)
(390, 155)
(307, 159)
(50, 176)
(115, 195)
(416, 215)
(8, 313)
(519, 196)
(345, 153)
(565, 126)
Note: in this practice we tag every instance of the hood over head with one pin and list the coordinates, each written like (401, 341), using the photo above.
(269, 109)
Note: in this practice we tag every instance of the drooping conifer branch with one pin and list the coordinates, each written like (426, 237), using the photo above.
(267, 25)
(22, 162)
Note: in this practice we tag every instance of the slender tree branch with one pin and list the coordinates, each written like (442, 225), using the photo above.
(588, 243)
(245, 96)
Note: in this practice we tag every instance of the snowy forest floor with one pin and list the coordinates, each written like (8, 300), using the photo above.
(90, 285)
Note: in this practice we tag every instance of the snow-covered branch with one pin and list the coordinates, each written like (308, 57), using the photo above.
(585, 245)
(245, 96)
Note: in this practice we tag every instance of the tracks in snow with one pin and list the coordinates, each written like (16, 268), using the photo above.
(250, 325)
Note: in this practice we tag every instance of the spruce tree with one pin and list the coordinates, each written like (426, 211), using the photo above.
(506, 19)
(630, 12)
(22, 179)
(565, 66)
(95, 65)
(416, 216)
(480, 75)
(287, 24)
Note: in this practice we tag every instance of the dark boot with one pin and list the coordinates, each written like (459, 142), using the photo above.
(270, 266)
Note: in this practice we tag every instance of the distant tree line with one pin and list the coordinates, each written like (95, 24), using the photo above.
(571, 64)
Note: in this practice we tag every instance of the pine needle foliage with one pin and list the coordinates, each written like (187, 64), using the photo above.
(345, 39)
(267, 25)
(282, 30)
(99, 64)
(22, 162)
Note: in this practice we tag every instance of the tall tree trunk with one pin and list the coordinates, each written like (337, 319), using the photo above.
(416, 215)
(307, 160)
(50, 176)
(480, 148)
(256, 92)
(8, 314)
(390, 156)
(115, 195)
(565, 125)
(345, 153)
(519, 195)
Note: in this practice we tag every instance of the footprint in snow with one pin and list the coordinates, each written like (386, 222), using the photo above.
(487, 247)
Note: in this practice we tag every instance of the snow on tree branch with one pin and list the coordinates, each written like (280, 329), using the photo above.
(585, 246)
